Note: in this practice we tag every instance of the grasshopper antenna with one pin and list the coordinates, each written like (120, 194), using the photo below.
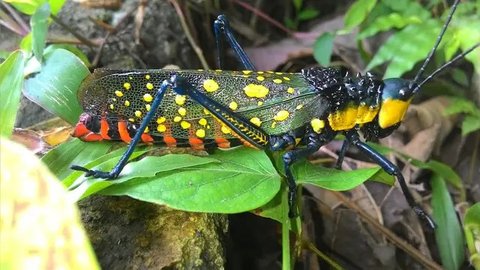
(458, 57)
(439, 38)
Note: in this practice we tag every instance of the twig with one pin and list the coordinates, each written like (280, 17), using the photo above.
(399, 242)
(192, 42)
(73, 32)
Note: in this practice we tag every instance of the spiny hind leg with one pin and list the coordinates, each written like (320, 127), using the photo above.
(221, 26)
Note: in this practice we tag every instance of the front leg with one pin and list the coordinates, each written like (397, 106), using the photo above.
(113, 174)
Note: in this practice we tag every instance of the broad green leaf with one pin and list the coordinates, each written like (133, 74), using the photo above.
(403, 55)
(441, 169)
(357, 13)
(39, 24)
(470, 124)
(448, 234)
(26, 43)
(29, 7)
(243, 180)
(307, 14)
(59, 159)
(332, 179)
(25, 6)
(471, 228)
(387, 22)
(461, 105)
(323, 48)
(73, 49)
(11, 80)
(297, 4)
(468, 35)
(55, 86)
(408, 8)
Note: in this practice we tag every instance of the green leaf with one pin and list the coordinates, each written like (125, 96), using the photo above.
(323, 48)
(332, 179)
(26, 6)
(297, 4)
(73, 49)
(461, 105)
(243, 180)
(29, 7)
(39, 24)
(59, 159)
(403, 55)
(471, 228)
(470, 124)
(387, 22)
(448, 233)
(441, 169)
(26, 43)
(55, 86)
(11, 80)
(357, 13)
(307, 14)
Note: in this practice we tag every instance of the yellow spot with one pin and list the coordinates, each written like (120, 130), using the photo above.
(317, 125)
(119, 93)
(147, 97)
(200, 133)
(279, 73)
(392, 112)
(256, 90)
(226, 130)
(138, 114)
(161, 128)
(256, 121)
(111, 107)
(149, 86)
(246, 72)
(299, 106)
(274, 124)
(286, 78)
(130, 77)
(260, 78)
(233, 105)
(270, 71)
(210, 85)
(185, 124)
(147, 77)
(260, 103)
(245, 76)
(199, 69)
(205, 111)
(281, 115)
(180, 99)
(131, 120)
(127, 103)
(182, 111)
(161, 119)
(148, 107)
(127, 85)
(202, 121)
(114, 99)
(260, 72)
(146, 130)
(177, 119)
(290, 90)
(277, 81)
(218, 70)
